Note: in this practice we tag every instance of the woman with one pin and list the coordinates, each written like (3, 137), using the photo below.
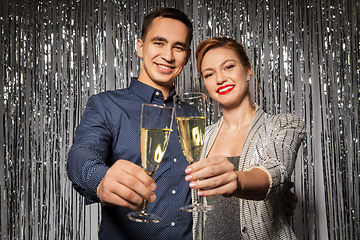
(248, 155)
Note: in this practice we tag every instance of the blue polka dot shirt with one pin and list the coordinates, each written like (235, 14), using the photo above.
(110, 130)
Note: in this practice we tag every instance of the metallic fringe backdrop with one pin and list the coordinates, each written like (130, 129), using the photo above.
(55, 54)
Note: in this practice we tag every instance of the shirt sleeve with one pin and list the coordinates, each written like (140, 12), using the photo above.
(284, 134)
(86, 163)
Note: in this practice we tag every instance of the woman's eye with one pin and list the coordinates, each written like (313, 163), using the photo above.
(207, 75)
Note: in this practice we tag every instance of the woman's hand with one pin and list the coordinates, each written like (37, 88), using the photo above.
(217, 174)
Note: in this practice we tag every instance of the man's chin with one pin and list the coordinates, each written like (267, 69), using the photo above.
(166, 83)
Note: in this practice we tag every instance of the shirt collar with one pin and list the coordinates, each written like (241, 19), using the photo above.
(147, 92)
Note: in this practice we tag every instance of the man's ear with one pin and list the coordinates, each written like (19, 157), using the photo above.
(139, 47)
(188, 55)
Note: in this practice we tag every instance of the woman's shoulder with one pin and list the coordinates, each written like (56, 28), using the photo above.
(284, 119)
(284, 123)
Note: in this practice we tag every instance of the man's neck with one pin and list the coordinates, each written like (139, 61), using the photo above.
(163, 88)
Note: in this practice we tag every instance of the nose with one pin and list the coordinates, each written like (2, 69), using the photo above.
(220, 78)
(167, 54)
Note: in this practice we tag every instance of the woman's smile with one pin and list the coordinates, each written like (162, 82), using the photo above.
(225, 89)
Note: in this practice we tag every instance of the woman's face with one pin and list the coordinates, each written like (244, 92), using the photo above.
(224, 76)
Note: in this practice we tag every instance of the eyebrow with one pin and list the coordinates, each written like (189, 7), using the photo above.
(162, 39)
(223, 63)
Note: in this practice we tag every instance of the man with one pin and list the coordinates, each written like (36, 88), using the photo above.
(104, 162)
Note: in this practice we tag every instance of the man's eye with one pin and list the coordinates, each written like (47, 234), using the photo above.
(179, 48)
(229, 67)
(158, 43)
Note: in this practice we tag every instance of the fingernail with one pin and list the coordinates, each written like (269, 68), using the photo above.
(192, 185)
(200, 194)
(188, 170)
(152, 198)
(188, 178)
(153, 186)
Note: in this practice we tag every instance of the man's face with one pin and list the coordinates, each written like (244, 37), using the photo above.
(164, 52)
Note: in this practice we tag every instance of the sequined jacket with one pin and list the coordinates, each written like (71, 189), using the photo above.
(271, 143)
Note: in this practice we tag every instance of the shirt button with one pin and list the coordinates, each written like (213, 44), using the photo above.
(157, 93)
(173, 224)
(174, 159)
(173, 191)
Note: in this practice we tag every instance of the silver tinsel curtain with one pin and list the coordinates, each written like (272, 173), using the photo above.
(55, 54)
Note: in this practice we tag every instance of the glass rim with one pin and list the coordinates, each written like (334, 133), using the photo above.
(190, 95)
(156, 105)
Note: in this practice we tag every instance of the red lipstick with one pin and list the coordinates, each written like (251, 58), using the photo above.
(225, 89)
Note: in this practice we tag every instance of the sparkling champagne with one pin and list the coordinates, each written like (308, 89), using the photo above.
(191, 135)
(153, 144)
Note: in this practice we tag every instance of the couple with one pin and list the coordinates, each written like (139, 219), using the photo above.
(248, 155)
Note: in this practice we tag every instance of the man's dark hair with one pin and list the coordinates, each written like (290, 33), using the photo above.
(167, 13)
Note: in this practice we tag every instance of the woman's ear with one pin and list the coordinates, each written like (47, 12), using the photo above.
(248, 75)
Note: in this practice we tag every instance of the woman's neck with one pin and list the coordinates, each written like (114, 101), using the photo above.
(236, 117)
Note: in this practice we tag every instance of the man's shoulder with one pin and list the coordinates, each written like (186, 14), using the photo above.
(110, 95)
(111, 101)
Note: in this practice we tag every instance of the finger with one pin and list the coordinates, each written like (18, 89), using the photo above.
(134, 188)
(225, 185)
(195, 166)
(289, 213)
(125, 197)
(137, 172)
(211, 170)
(205, 162)
(291, 196)
(208, 172)
(226, 190)
(110, 192)
(289, 203)
(216, 181)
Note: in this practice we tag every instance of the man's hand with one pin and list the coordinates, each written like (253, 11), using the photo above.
(126, 184)
(290, 199)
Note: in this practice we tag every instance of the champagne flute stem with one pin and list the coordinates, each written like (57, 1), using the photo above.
(196, 197)
(145, 207)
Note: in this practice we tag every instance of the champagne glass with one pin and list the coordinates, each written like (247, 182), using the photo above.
(190, 115)
(154, 136)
